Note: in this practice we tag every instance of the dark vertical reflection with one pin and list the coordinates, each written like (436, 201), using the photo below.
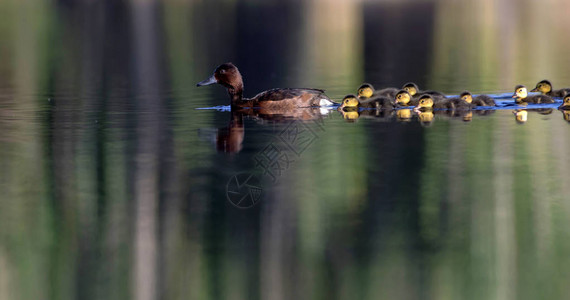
(147, 81)
(397, 42)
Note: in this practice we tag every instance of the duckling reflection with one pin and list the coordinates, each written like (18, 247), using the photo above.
(521, 115)
(545, 88)
(566, 115)
(366, 91)
(522, 98)
(426, 118)
(404, 115)
(350, 115)
(565, 103)
(468, 116)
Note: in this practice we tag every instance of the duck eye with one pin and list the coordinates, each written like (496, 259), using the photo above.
(222, 71)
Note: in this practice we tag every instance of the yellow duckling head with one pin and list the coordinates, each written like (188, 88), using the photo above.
(566, 102)
(349, 102)
(466, 96)
(403, 97)
(426, 118)
(426, 102)
(365, 91)
(520, 93)
(411, 88)
(544, 87)
(404, 115)
(521, 115)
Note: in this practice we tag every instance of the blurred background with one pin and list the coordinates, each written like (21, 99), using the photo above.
(113, 185)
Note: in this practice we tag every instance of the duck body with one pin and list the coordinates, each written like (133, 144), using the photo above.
(536, 99)
(229, 76)
(286, 98)
(437, 96)
(461, 104)
(483, 100)
(414, 90)
(480, 100)
(545, 87)
(367, 91)
(446, 104)
(378, 102)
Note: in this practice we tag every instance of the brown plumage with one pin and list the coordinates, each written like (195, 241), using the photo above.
(229, 76)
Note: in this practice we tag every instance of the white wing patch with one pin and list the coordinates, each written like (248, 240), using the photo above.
(325, 102)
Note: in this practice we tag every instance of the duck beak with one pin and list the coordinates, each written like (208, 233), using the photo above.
(514, 96)
(534, 90)
(208, 81)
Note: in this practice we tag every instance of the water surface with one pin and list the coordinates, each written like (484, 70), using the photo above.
(115, 185)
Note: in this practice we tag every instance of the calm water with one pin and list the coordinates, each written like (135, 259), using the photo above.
(115, 186)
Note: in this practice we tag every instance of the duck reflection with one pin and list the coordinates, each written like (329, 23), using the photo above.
(426, 118)
(229, 139)
(521, 115)
(404, 115)
(566, 115)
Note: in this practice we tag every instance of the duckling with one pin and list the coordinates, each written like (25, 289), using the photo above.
(545, 87)
(521, 96)
(229, 76)
(366, 91)
(427, 102)
(480, 100)
(565, 103)
(521, 115)
(379, 102)
(414, 90)
(403, 98)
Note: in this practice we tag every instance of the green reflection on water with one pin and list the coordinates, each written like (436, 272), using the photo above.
(371, 209)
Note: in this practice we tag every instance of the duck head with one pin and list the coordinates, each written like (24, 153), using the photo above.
(411, 88)
(466, 96)
(403, 97)
(365, 91)
(520, 92)
(543, 86)
(229, 76)
(349, 102)
(425, 103)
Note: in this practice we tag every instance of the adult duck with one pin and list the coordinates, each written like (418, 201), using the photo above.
(229, 76)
